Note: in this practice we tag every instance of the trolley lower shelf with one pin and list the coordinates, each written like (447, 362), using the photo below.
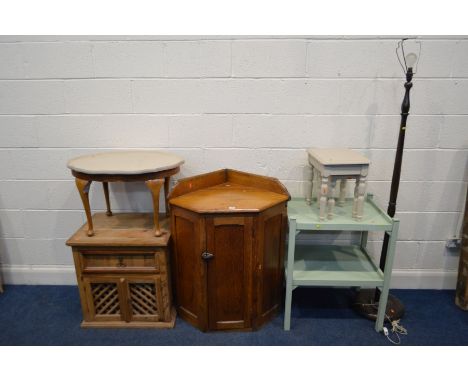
(334, 265)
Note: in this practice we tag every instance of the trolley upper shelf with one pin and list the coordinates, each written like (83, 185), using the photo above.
(307, 217)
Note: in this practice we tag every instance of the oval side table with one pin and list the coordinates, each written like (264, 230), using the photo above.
(153, 167)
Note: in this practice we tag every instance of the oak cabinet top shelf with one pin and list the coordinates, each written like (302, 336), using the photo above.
(228, 191)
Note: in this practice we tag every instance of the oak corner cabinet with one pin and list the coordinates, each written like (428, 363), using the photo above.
(228, 229)
(123, 273)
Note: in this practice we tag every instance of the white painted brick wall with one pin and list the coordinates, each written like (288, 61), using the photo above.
(107, 130)
(198, 59)
(57, 60)
(128, 59)
(286, 58)
(98, 96)
(200, 131)
(11, 65)
(32, 97)
(253, 104)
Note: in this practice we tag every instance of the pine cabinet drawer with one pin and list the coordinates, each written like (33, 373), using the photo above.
(121, 262)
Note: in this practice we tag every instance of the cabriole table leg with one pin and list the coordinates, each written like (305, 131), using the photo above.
(155, 187)
(105, 185)
(167, 183)
(83, 189)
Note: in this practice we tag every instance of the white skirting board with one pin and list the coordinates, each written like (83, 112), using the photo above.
(65, 275)
(38, 275)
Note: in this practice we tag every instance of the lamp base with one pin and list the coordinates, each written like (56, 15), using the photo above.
(365, 305)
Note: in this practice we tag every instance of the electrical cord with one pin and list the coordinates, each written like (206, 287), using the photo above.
(397, 328)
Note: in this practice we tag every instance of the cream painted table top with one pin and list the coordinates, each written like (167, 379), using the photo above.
(125, 162)
(330, 157)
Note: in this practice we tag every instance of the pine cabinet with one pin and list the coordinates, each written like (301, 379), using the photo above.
(228, 232)
(123, 273)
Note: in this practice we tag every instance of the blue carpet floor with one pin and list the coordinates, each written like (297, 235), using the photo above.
(51, 315)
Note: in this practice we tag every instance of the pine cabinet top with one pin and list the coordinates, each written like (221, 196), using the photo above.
(122, 229)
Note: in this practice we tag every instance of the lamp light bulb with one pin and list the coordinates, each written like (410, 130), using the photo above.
(411, 59)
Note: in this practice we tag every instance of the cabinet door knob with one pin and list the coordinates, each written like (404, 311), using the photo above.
(121, 262)
(207, 256)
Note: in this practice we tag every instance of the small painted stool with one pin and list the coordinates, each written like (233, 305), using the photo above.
(153, 167)
(330, 166)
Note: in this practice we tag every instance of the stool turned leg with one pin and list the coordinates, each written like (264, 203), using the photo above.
(316, 190)
(311, 194)
(360, 201)
(105, 185)
(355, 198)
(331, 199)
(83, 189)
(155, 187)
(167, 183)
(323, 197)
(341, 200)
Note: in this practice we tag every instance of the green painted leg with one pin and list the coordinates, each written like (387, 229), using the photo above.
(387, 276)
(289, 273)
(364, 235)
(383, 299)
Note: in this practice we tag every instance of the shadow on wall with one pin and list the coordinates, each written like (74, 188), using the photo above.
(452, 254)
(133, 197)
(124, 197)
(452, 191)
(371, 112)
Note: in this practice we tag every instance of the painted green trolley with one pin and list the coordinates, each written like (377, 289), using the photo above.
(338, 265)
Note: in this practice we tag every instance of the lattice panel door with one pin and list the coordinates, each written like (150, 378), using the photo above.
(145, 299)
(104, 297)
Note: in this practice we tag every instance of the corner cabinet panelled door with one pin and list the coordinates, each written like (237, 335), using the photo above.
(189, 232)
(229, 284)
(271, 259)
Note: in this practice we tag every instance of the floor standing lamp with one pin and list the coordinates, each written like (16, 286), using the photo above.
(366, 302)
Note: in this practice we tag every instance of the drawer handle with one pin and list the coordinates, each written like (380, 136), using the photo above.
(121, 262)
(207, 256)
